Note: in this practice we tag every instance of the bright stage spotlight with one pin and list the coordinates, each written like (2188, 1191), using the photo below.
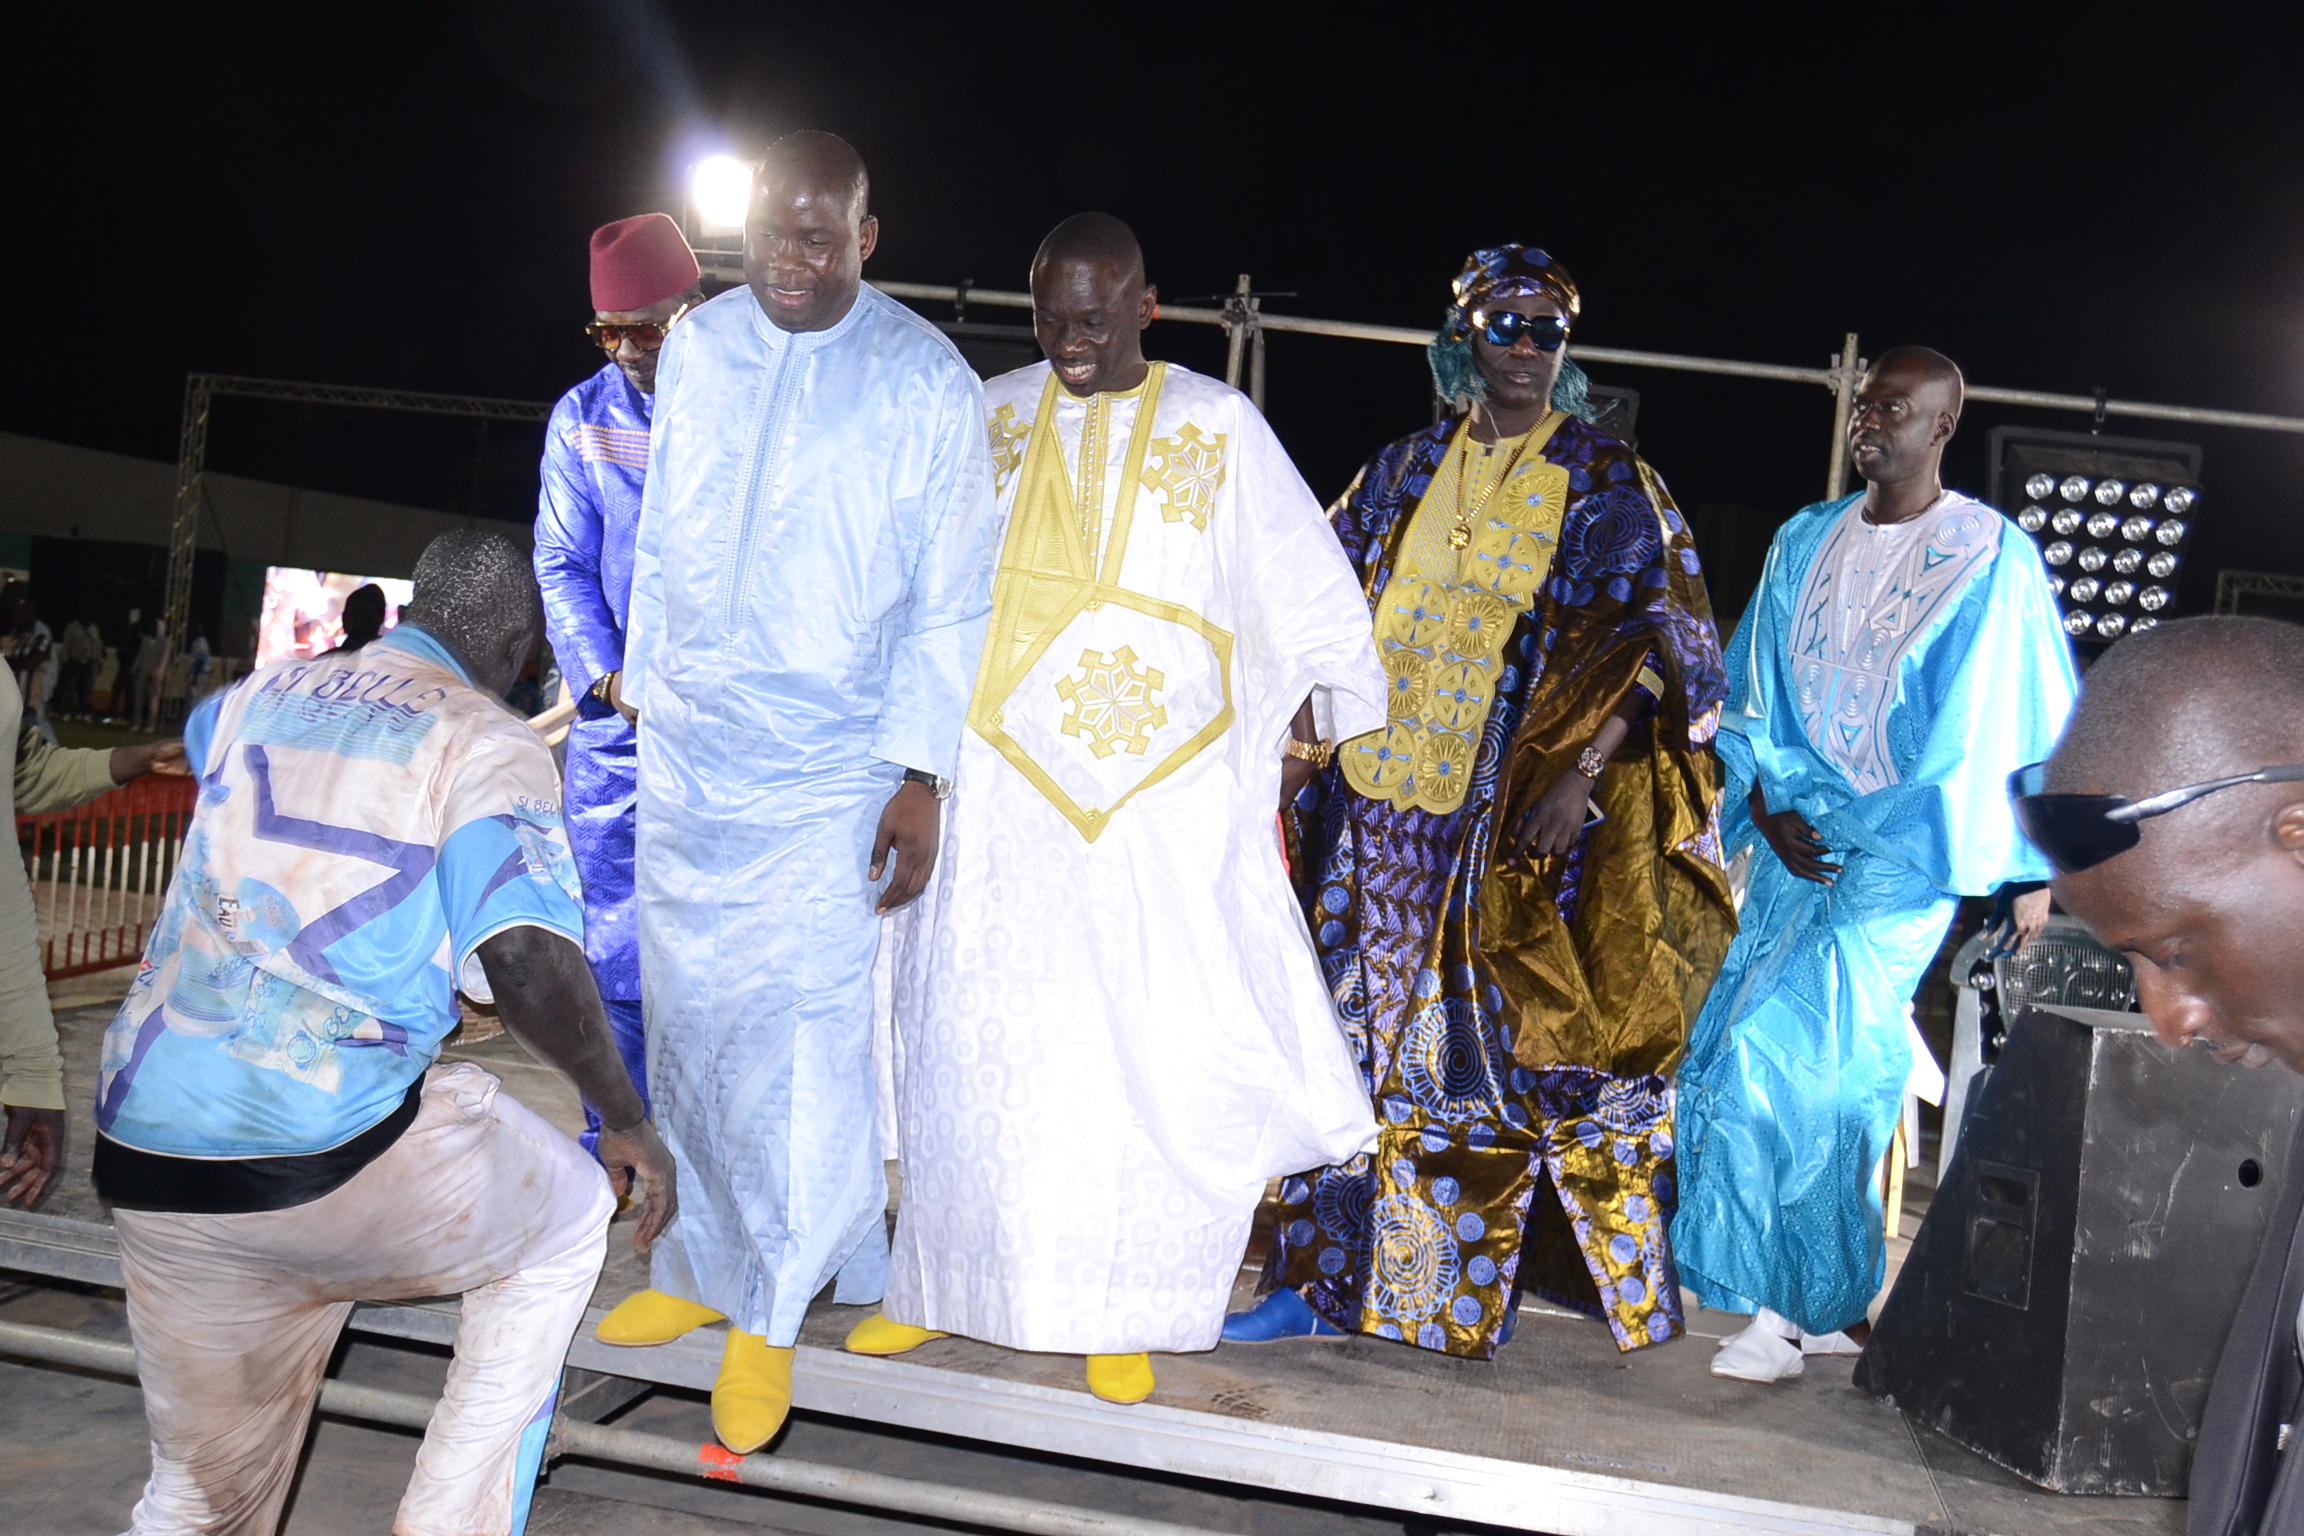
(720, 188)
(2123, 509)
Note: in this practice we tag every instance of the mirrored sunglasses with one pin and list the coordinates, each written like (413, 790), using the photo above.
(2079, 832)
(1505, 327)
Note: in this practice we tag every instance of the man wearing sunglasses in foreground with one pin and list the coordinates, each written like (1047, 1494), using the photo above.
(644, 278)
(2173, 812)
(1900, 659)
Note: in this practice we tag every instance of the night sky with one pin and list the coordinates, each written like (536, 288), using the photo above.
(400, 195)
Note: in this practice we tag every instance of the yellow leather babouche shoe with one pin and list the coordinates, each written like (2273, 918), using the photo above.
(652, 1317)
(1120, 1378)
(753, 1393)
(876, 1335)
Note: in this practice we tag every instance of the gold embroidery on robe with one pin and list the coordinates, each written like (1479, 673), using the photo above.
(1443, 621)
(1007, 434)
(1058, 566)
(1186, 471)
(1112, 702)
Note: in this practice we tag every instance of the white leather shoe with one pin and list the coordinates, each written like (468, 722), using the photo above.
(1834, 1343)
(1759, 1353)
(1775, 1322)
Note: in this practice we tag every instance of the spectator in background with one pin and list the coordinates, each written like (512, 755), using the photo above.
(363, 618)
(83, 654)
(196, 680)
(119, 701)
(31, 655)
(151, 675)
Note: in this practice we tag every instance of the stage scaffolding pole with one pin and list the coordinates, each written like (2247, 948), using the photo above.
(1245, 323)
(1845, 372)
(200, 392)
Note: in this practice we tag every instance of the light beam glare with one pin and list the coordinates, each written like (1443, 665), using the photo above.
(721, 189)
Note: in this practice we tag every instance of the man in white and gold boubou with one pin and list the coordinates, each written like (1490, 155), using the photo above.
(1110, 1028)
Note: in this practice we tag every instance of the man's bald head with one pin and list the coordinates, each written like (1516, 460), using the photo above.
(823, 162)
(1906, 408)
(1090, 304)
(809, 231)
(476, 594)
(2192, 700)
(1092, 238)
(1925, 366)
(2209, 903)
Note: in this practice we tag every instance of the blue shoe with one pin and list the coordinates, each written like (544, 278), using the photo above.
(1282, 1315)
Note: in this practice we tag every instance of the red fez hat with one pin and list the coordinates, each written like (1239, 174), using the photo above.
(640, 261)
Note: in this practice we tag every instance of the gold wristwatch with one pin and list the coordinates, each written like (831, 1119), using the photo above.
(1317, 753)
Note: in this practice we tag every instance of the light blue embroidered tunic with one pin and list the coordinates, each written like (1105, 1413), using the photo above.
(810, 589)
(1884, 683)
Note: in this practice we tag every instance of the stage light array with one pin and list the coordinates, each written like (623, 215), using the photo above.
(2110, 516)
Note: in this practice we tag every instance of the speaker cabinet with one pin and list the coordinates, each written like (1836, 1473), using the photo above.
(2064, 1304)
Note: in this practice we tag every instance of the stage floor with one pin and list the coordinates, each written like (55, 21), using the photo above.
(1559, 1434)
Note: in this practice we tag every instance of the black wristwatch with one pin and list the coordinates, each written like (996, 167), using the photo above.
(938, 786)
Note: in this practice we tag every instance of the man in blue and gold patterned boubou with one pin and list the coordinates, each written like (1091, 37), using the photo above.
(1515, 888)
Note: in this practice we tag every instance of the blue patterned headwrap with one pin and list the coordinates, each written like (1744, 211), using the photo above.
(1503, 272)
(1507, 272)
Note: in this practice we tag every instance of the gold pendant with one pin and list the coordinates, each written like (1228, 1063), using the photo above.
(1459, 536)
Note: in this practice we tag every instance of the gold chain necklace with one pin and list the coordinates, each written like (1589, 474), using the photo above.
(1461, 535)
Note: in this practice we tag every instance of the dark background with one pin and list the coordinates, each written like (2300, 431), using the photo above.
(400, 195)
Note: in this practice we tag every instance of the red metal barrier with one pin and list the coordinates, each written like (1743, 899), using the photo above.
(99, 872)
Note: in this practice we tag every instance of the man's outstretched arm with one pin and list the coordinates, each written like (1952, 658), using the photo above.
(549, 1002)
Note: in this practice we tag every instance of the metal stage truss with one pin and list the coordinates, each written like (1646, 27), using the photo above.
(1245, 324)
(200, 392)
(2234, 588)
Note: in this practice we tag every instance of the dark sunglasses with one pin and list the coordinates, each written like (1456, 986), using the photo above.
(2078, 832)
(647, 337)
(1504, 327)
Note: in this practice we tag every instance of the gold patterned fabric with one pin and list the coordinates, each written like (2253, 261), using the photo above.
(1515, 1019)
(1480, 542)
(1060, 562)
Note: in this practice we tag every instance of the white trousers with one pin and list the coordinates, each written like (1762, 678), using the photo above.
(235, 1316)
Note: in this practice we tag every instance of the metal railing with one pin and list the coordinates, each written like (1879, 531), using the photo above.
(1245, 325)
(100, 871)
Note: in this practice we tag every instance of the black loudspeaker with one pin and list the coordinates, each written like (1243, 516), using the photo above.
(2064, 1304)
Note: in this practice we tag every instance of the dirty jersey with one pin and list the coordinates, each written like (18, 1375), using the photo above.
(364, 823)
